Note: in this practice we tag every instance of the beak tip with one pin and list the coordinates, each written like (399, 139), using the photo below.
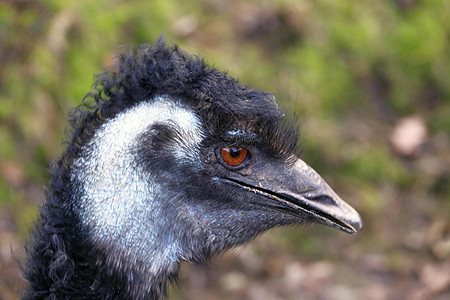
(356, 224)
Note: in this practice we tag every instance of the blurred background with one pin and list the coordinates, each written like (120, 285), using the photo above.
(368, 81)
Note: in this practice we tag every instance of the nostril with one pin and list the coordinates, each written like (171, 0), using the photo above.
(323, 199)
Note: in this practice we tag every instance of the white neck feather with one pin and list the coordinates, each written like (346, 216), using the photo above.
(117, 194)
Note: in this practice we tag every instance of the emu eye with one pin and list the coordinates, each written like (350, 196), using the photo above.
(234, 156)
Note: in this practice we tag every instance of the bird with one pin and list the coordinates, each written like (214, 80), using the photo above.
(168, 160)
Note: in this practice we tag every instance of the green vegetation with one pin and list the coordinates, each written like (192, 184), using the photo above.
(350, 71)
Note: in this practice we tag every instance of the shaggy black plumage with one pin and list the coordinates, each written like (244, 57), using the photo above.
(66, 260)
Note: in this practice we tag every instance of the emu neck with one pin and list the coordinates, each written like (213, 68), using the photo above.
(107, 228)
(65, 264)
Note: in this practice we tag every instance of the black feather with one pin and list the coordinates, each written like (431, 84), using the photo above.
(65, 261)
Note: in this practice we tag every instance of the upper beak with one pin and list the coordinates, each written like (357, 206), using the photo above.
(301, 190)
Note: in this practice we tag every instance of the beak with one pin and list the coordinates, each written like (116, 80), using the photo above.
(299, 190)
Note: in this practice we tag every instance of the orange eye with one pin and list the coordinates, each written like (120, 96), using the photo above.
(234, 156)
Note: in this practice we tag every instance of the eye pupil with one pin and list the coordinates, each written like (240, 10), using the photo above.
(235, 152)
(234, 156)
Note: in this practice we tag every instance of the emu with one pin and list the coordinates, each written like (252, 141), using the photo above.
(168, 161)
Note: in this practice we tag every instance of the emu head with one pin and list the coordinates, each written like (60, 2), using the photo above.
(177, 161)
